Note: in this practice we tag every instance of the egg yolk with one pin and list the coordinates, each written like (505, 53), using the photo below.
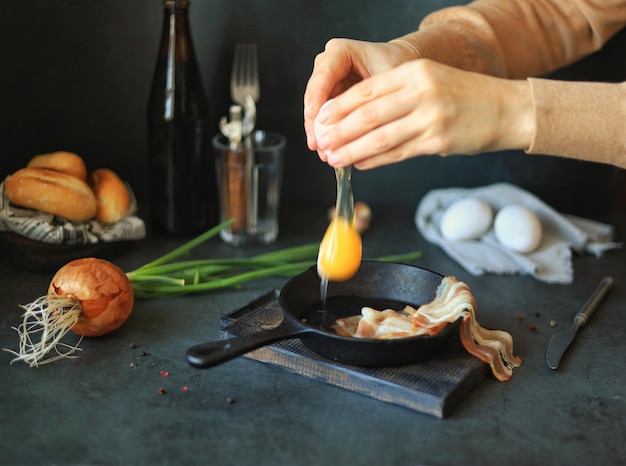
(340, 251)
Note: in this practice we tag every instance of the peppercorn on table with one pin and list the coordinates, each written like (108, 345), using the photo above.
(130, 397)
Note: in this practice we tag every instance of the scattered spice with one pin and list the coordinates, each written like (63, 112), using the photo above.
(133, 364)
(230, 400)
(143, 353)
(161, 391)
(164, 373)
(532, 328)
(520, 317)
(132, 345)
(185, 388)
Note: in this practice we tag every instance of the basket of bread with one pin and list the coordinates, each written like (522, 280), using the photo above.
(55, 201)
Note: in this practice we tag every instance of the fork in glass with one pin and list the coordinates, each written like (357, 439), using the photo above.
(245, 90)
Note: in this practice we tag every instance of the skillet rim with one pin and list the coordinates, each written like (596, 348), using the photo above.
(444, 333)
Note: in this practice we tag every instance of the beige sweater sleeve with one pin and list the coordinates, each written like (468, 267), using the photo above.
(581, 120)
(526, 38)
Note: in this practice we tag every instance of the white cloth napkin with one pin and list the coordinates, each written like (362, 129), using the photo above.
(551, 262)
(48, 228)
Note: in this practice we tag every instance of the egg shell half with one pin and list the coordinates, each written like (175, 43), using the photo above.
(518, 228)
(466, 219)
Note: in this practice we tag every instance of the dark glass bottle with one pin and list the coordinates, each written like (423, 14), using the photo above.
(183, 199)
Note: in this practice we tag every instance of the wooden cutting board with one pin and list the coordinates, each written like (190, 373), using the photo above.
(434, 386)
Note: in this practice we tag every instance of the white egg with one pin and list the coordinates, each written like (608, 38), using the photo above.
(319, 128)
(466, 219)
(518, 228)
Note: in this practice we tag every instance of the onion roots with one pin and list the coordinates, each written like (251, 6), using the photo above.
(46, 321)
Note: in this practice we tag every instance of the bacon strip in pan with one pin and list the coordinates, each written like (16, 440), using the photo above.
(453, 300)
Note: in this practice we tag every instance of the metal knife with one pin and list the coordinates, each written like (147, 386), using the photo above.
(559, 342)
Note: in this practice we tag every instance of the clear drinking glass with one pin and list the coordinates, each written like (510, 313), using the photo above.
(249, 183)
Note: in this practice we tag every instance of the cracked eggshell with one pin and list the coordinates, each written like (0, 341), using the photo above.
(518, 228)
(466, 219)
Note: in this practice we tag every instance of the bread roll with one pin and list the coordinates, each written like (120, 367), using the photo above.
(52, 192)
(112, 197)
(66, 162)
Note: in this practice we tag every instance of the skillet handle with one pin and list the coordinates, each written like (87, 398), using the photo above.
(212, 354)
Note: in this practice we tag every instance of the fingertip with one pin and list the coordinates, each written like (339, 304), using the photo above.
(333, 159)
(323, 141)
(310, 140)
(322, 156)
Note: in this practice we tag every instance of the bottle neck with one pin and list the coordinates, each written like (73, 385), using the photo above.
(177, 87)
(175, 5)
(175, 17)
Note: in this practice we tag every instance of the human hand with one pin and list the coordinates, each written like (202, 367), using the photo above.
(424, 108)
(344, 63)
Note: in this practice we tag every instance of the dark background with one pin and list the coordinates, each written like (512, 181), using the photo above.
(75, 75)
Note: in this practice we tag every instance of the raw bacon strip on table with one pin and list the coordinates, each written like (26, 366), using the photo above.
(494, 347)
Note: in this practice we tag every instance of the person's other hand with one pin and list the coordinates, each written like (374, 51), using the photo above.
(419, 108)
(344, 63)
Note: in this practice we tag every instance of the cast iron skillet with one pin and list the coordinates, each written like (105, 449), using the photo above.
(377, 284)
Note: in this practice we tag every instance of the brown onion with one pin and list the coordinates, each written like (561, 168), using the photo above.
(91, 297)
(103, 291)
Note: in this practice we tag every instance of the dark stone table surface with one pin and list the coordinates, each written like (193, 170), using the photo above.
(105, 407)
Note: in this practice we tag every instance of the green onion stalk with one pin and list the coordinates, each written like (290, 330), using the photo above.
(168, 276)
